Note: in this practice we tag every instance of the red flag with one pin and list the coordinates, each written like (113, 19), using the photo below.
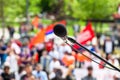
(86, 35)
(35, 22)
(62, 22)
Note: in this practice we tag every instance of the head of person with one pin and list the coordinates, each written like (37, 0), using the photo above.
(28, 69)
(108, 38)
(55, 57)
(90, 70)
(39, 67)
(67, 53)
(109, 56)
(6, 68)
(44, 53)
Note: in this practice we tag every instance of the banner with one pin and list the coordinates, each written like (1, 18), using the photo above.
(86, 35)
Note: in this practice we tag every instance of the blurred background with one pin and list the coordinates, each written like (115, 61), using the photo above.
(29, 50)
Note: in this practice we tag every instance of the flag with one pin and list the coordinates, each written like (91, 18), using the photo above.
(49, 29)
(39, 38)
(86, 35)
(35, 22)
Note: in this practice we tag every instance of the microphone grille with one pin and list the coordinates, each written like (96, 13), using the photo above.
(60, 30)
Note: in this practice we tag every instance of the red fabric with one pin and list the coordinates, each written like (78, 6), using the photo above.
(86, 35)
(101, 65)
(49, 45)
(18, 43)
(36, 57)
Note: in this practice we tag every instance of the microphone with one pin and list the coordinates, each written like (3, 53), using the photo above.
(60, 30)
(71, 39)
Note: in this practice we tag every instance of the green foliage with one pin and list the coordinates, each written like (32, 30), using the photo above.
(91, 9)
(78, 9)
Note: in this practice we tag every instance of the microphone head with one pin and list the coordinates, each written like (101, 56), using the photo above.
(60, 30)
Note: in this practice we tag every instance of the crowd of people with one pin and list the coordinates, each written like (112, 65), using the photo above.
(51, 60)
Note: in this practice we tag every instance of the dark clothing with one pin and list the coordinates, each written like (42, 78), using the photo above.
(3, 55)
(70, 77)
(58, 74)
(6, 76)
(24, 77)
(88, 78)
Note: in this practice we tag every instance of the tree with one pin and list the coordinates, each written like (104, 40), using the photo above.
(78, 9)
(90, 9)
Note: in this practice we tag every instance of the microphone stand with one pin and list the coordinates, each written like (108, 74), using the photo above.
(93, 53)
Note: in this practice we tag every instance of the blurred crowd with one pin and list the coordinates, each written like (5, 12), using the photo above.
(53, 59)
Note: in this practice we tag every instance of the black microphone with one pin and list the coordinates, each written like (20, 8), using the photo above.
(60, 30)
(71, 39)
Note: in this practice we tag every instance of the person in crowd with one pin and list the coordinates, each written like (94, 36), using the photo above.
(28, 75)
(7, 75)
(53, 62)
(40, 48)
(116, 77)
(12, 59)
(25, 57)
(76, 29)
(68, 59)
(89, 76)
(53, 53)
(62, 49)
(108, 46)
(15, 45)
(39, 73)
(3, 52)
(57, 73)
(11, 31)
(21, 71)
(23, 29)
(70, 74)
(45, 61)
(113, 60)
(49, 45)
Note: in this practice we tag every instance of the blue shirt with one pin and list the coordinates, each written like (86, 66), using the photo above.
(40, 75)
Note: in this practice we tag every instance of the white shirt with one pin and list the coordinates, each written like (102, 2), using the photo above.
(108, 47)
(53, 64)
(13, 63)
(54, 54)
(16, 48)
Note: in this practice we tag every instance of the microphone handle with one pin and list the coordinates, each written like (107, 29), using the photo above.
(93, 53)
